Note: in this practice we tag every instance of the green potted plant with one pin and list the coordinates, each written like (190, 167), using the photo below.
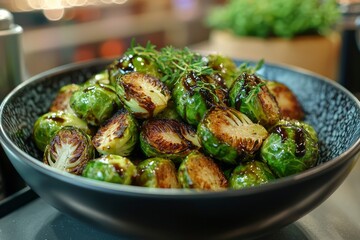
(295, 32)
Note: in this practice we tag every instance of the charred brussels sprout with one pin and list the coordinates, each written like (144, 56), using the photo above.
(250, 96)
(229, 135)
(167, 138)
(143, 95)
(289, 106)
(157, 173)
(198, 171)
(62, 99)
(133, 63)
(250, 174)
(69, 150)
(194, 95)
(111, 168)
(49, 123)
(118, 135)
(225, 67)
(95, 103)
(292, 147)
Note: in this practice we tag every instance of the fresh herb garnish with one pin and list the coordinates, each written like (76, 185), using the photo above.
(173, 63)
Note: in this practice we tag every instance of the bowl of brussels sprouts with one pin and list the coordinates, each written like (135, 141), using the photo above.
(168, 142)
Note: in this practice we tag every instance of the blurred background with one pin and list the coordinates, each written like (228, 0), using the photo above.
(58, 32)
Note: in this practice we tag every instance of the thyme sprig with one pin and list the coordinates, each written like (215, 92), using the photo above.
(172, 62)
(176, 63)
(246, 68)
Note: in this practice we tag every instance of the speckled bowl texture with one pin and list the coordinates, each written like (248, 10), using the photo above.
(142, 212)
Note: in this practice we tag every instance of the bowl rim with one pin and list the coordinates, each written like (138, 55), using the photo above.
(114, 188)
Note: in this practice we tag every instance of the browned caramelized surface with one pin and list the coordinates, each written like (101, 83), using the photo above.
(166, 176)
(287, 101)
(166, 135)
(237, 131)
(205, 174)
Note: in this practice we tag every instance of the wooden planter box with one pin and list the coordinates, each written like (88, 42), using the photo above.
(315, 53)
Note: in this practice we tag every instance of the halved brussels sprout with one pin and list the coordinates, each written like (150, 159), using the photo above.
(157, 173)
(167, 138)
(49, 123)
(95, 103)
(99, 78)
(142, 94)
(250, 174)
(194, 95)
(250, 96)
(69, 150)
(289, 106)
(111, 168)
(225, 67)
(62, 99)
(198, 171)
(291, 148)
(229, 135)
(118, 135)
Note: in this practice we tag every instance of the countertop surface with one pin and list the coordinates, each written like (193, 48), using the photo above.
(337, 218)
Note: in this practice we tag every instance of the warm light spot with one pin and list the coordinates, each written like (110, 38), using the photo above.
(119, 1)
(54, 14)
(84, 53)
(111, 48)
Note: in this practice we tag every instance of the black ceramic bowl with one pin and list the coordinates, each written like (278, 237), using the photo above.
(144, 212)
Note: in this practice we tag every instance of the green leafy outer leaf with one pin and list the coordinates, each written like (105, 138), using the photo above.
(95, 103)
(111, 168)
(250, 174)
(194, 95)
(151, 173)
(290, 148)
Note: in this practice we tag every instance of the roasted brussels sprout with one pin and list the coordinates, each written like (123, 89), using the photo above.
(143, 95)
(250, 96)
(167, 138)
(95, 103)
(111, 168)
(133, 62)
(229, 135)
(49, 123)
(198, 171)
(99, 78)
(250, 174)
(69, 150)
(289, 106)
(194, 95)
(225, 67)
(118, 135)
(157, 173)
(62, 99)
(292, 147)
